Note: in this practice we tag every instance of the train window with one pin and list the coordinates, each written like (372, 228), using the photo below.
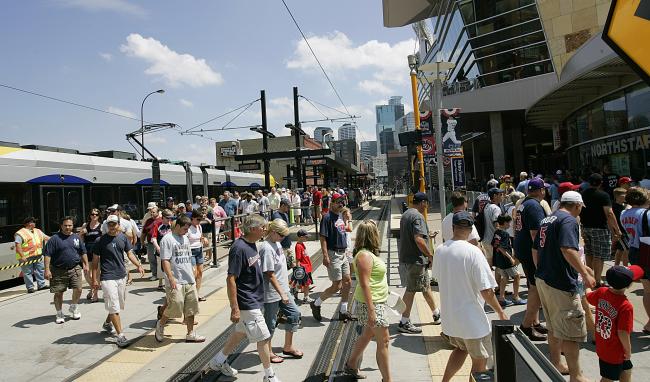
(177, 192)
(15, 203)
(197, 190)
(128, 199)
(74, 206)
(101, 197)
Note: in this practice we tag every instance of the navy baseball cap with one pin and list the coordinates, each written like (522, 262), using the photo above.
(493, 191)
(462, 219)
(619, 277)
(420, 197)
(536, 184)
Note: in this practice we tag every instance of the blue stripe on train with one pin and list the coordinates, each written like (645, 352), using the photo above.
(149, 182)
(59, 179)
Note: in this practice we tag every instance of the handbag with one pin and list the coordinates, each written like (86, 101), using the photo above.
(644, 245)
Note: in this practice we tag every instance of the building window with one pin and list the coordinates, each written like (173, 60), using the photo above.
(615, 113)
(638, 104)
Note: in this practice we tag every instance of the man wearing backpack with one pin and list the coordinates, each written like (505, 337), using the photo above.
(480, 202)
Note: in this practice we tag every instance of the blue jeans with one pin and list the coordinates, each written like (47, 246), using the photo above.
(290, 311)
(34, 270)
(153, 261)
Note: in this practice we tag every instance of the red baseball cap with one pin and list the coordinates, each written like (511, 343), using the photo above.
(336, 195)
(623, 180)
(567, 186)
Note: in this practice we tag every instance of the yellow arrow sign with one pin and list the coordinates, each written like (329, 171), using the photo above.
(627, 32)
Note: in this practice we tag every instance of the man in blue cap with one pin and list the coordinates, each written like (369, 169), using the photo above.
(415, 257)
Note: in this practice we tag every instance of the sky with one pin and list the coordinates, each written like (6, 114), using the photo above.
(210, 57)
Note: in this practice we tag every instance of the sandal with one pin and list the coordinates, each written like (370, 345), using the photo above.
(276, 358)
(129, 282)
(354, 373)
(90, 296)
(296, 354)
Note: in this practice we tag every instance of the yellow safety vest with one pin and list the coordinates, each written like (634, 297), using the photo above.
(32, 244)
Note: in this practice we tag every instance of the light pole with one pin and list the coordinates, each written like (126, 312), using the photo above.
(159, 91)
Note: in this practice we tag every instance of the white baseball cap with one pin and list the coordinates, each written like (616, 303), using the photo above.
(151, 205)
(112, 219)
(572, 196)
(113, 207)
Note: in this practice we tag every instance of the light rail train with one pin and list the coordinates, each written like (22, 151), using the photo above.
(51, 184)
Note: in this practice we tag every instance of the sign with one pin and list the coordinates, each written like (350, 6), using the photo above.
(451, 145)
(446, 161)
(458, 171)
(557, 139)
(428, 145)
(426, 123)
(627, 32)
(314, 162)
(620, 145)
(250, 166)
(229, 151)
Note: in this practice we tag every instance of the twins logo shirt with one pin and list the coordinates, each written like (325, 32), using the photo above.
(613, 313)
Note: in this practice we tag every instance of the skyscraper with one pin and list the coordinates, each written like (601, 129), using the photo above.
(368, 150)
(387, 119)
(320, 132)
(347, 131)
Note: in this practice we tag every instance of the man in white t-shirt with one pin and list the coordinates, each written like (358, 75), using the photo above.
(459, 203)
(465, 284)
(490, 215)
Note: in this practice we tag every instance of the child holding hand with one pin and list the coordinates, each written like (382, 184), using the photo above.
(301, 278)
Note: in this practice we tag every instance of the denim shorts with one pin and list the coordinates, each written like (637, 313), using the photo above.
(197, 256)
(290, 311)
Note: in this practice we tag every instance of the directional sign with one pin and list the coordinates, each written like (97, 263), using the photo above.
(627, 32)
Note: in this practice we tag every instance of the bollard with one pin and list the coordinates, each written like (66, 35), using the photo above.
(505, 369)
(215, 258)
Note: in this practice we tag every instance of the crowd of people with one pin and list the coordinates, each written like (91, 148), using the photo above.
(535, 227)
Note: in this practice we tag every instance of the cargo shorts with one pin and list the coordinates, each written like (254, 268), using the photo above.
(415, 277)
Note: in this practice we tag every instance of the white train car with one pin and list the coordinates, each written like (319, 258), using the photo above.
(49, 185)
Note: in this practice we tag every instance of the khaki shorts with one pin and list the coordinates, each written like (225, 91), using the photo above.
(565, 318)
(339, 265)
(181, 301)
(488, 250)
(62, 279)
(251, 323)
(477, 348)
(114, 295)
(414, 277)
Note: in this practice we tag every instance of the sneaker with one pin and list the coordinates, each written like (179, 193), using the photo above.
(121, 341)
(272, 378)
(346, 316)
(436, 318)
(76, 314)
(192, 337)
(43, 287)
(505, 302)
(30, 290)
(520, 301)
(223, 368)
(153, 278)
(59, 318)
(409, 328)
(160, 332)
(315, 311)
(108, 327)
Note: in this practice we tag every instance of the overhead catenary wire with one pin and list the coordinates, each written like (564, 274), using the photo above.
(315, 57)
(245, 107)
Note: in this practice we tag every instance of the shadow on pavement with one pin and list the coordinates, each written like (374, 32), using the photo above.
(42, 320)
(89, 338)
(144, 325)
(143, 291)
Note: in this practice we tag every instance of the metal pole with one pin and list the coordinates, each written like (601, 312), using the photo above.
(160, 91)
(422, 187)
(436, 98)
(474, 160)
(265, 142)
(296, 124)
(504, 354)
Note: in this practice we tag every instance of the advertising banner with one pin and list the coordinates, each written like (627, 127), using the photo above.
(458, 171)
(428, 145)
(426, 123)
(451, 144)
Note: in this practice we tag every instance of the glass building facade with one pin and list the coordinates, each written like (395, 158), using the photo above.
(386, 124)
(489, 41)
(612, 131)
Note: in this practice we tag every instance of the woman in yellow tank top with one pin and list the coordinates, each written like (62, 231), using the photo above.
(371, 293)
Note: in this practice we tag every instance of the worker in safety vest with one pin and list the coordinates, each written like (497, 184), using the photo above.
(29, 246)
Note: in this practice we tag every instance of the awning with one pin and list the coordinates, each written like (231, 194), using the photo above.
(398, 13)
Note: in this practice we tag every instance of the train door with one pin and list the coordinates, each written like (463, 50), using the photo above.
(60, 201)
(147, 192)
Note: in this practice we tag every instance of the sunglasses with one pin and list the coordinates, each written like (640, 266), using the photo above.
(93, 214)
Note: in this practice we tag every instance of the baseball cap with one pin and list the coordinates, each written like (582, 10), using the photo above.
(567, 186)
(493, 191)
(151, 205)
(336, 196)
(536, 184)
(595, 179)
(420, 197)
(492, 183)
(462, 219)
(523, 174)
(620, 277)
(302, 233)
(572, 196)
(181, 206)
(112, 219)
(170, 198)
(558, 172)
(188, 202)
(114, 207)
(624, 180)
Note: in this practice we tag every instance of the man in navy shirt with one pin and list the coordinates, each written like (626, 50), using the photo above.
(245, 285)
(109, 251)
(528, 216)
(65, 260)
(558, 263)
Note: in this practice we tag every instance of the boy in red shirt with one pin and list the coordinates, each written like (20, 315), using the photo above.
(614, 321)
(302, 280)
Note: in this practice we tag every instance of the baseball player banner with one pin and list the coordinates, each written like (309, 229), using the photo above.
(451, 145)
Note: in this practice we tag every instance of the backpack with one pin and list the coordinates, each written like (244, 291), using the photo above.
(479, 221)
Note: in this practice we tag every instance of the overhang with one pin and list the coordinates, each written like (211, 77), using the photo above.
(398, 13)
(592, 72)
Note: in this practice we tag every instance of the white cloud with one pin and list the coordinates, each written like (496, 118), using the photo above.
(386, 62)
(119, 6)
(116, 110)
(106, 56)
(156, 140)
(175, 68)
(186, 103)
(374, 87)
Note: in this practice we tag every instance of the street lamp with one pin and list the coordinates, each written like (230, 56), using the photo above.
(159, 91)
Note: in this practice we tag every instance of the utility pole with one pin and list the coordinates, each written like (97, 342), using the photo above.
(265, 142)
(296, 131)
(413, 64)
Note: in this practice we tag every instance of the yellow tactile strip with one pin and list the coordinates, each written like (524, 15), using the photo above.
(127, 362)
(437, 348)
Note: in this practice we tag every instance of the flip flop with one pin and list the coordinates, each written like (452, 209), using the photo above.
(276, 359)
(130, 282)
(297, 354)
